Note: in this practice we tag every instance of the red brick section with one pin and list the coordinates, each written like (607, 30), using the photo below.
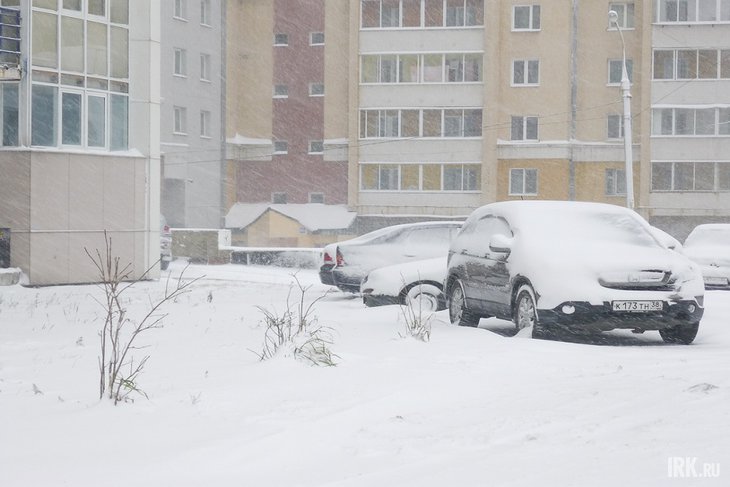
(298, 118)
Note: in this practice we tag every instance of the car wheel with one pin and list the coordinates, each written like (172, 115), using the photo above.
(424, 297)
(458, 313)
(682, 334)
(525, 312)
(164, 264)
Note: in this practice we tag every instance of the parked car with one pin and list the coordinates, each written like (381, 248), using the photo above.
(709, 246)
(582, 266)
(165, 244)
(345, 264)
(418, 284)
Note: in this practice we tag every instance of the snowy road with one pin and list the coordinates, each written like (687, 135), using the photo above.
(472, 407)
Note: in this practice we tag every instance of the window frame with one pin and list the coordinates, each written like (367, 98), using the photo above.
(470, 172)
(628, 13)
(531, 18)
(629, 69)
(280, 151)
(281, 39)
(612, 181)
(524, 122)
(180, 62)
(312, 87)
(312, 150)
(205, 124)
(526, 73)
(523, 171)
(717, 175)
(205, 13)
(205, 67)
(312, 42)
(280, 95)
(180, 10)
(179, 120)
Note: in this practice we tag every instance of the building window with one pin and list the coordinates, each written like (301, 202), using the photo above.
(690, 176)
(523, 128)
(180, 115)
(409, 123)
(683, 64)
(316, 198)
(693, 11)
(278, 198)
(625, 13)
(523, 182)
(281, 147)
(180, 62)
(43, 108)
(390, 14)
(281, 39)
(316, 38)
(281, 91)
(615, 182)
(526, 17)
(205, 12)
(205, 67)
(86, 53)
(431, 177)
(691, 121)
(205, 123)
(316, 89)
(9, 114)
(316, 147)
(461, 177)
(615, 70)
(525, 72)
(423, 68)
(180, 9)
(614, 127)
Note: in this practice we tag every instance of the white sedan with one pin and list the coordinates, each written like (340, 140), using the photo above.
(709, 246)
(418, 284)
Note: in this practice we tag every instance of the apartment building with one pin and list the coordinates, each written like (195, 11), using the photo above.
(193, 112)
(456, 103)
(276, 90)
(79, 158)
(688, 180)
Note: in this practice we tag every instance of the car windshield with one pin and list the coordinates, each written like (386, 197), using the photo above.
(579, 227)
(714, 235)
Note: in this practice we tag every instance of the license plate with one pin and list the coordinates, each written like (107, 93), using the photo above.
(716, 281)
(638, 306)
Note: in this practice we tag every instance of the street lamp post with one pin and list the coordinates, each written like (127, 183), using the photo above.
(626, 94)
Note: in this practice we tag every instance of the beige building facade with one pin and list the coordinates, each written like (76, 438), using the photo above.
(454, 104)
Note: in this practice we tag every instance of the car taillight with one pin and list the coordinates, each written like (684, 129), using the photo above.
(327, 258)
(340, 259)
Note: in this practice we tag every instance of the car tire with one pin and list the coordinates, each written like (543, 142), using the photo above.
(164, 264)
(525, 312)
(682, 334)
(424, 297)
(458, 313)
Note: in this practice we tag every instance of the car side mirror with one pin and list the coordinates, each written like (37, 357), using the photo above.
(501, 244)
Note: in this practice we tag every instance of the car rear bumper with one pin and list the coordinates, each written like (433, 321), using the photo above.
(333, 277)
(602, 317)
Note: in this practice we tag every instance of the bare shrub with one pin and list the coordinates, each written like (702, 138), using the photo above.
(417, 321)
(118, 368)
(295, 331)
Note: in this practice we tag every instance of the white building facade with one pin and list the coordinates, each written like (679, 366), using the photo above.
(192, 124)
(690, 99)
(80, 144)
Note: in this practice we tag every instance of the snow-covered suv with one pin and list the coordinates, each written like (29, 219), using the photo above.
(551, 264)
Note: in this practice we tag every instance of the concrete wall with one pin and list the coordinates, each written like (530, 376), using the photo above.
(62, 204)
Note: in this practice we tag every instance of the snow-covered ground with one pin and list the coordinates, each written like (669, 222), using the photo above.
(472, 407)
